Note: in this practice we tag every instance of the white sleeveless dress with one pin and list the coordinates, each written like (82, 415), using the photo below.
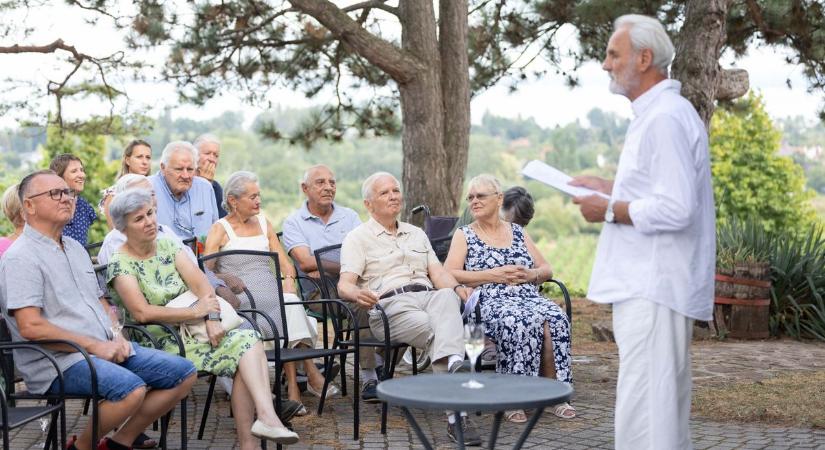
(302, 329)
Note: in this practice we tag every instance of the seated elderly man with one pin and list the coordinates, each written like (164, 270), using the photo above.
(185, 202)
(48, 291)
(391, 263)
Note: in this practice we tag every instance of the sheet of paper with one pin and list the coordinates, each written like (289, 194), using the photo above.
(553, 177)
(470, 304)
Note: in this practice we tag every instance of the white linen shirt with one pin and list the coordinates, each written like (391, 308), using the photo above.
(668, 255)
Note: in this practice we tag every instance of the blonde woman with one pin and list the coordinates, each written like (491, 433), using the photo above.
(14, 213)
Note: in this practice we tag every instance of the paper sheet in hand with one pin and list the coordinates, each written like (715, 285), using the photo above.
(470, 304)
(553, 177)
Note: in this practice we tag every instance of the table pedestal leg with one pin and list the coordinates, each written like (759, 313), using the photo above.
(414, 424)
(494, 432)
(530, 424)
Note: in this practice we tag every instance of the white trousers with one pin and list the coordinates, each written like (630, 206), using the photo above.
(654, 386)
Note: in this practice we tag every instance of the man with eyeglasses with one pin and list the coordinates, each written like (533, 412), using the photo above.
(185, 201)
(48, 290)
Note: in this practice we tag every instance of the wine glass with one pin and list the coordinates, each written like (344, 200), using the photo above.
(473, 345)
(118, 318)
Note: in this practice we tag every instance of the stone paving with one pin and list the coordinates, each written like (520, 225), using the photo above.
(594, 370)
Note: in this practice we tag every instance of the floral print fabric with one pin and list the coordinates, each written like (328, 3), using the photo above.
(160, 282)
(514, 316)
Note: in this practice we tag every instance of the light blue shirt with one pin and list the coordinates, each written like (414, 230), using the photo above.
(191, 215)
(304, 229)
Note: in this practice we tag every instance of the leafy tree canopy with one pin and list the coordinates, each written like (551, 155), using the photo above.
(749, 177)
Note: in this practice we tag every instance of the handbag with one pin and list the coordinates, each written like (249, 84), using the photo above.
(196, 329)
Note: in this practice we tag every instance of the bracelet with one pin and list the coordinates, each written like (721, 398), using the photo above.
(458, 286)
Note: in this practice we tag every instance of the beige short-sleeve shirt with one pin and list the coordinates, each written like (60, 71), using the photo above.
(384, 261)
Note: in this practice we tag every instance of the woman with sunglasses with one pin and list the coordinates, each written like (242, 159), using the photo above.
(499, 259)
(70, 168)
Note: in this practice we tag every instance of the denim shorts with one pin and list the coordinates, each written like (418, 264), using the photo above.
(147, 367)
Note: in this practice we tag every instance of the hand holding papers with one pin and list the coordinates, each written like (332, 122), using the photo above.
(553, 177)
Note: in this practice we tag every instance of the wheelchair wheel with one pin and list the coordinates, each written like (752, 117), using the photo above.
(423, 359)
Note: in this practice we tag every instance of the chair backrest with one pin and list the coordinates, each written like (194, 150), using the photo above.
(261, 273)
(6, 359)
(192, 243)
(329, 281)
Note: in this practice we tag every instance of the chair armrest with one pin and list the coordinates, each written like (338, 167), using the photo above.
(31, 345)
(568, 306)
(144, 332)
(173, 332)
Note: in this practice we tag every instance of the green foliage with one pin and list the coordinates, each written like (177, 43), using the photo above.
(100, 174)
(797, 272)
(749, 178)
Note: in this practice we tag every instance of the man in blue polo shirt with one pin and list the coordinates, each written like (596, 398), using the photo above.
(318, 223)
(186, 202)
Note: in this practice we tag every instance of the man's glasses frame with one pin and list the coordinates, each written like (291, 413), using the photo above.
(57, 194)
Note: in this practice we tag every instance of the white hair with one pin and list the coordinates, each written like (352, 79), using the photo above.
(236, 186)
(126, 203)
(206, 138)
(485, 180)
(178, 146)
(366, 188)
(648, 33)
(126, 181)
(305, 179)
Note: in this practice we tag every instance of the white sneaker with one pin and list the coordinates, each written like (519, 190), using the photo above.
(226, 384)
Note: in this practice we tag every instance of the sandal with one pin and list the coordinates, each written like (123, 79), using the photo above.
(144, 441)
(564, 411)
(516, 416)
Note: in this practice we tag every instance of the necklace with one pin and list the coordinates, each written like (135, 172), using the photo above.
(493, 237)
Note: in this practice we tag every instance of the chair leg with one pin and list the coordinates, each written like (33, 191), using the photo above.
(86, 407)
(206, 406)
(414, 360)
(356, 396)
(327, 380)
(164, 428)
(183, 427)
(343, 375)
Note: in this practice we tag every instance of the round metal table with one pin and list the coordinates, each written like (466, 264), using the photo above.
(500, 393)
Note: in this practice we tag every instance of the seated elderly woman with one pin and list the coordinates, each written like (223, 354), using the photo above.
(499, 259)
(144, 274)
(246, 228)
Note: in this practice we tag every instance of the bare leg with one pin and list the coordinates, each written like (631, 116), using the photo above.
(293, 391)
(243, 409)
(314, 376)
(255, 374)
(548, 360)
(110, 415)
(155, 404)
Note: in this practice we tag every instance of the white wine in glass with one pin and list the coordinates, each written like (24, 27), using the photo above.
(118, 317)
(473, 345)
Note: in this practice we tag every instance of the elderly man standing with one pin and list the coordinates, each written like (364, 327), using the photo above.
(209, 152)
(656, 254)
(48, 291)
(185, 202)
(391, 263)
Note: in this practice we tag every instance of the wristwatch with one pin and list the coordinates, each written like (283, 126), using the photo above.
(609, 217)
(213, 316)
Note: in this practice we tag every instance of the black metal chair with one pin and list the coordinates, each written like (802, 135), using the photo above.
(12, 417)
(269, 313)
(10, 396)
(350, 331)
(192, 243)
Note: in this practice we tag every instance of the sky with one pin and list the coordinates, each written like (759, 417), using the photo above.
(548, 100)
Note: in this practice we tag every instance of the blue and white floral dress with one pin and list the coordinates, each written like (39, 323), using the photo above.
(514, 316)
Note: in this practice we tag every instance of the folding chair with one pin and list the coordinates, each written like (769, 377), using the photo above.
(270, 318)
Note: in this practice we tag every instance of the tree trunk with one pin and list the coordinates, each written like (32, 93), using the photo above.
(425, 162)
(455, 82)
(697, 53)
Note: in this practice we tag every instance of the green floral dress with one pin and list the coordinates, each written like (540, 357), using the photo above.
(160, 282)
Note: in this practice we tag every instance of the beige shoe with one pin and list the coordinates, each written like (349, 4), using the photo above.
(278, 435)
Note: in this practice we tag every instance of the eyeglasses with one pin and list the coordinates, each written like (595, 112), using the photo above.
(57, 194)
(480, 197)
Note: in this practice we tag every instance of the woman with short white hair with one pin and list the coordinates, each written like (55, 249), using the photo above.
(145, 274)
(246, 228)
